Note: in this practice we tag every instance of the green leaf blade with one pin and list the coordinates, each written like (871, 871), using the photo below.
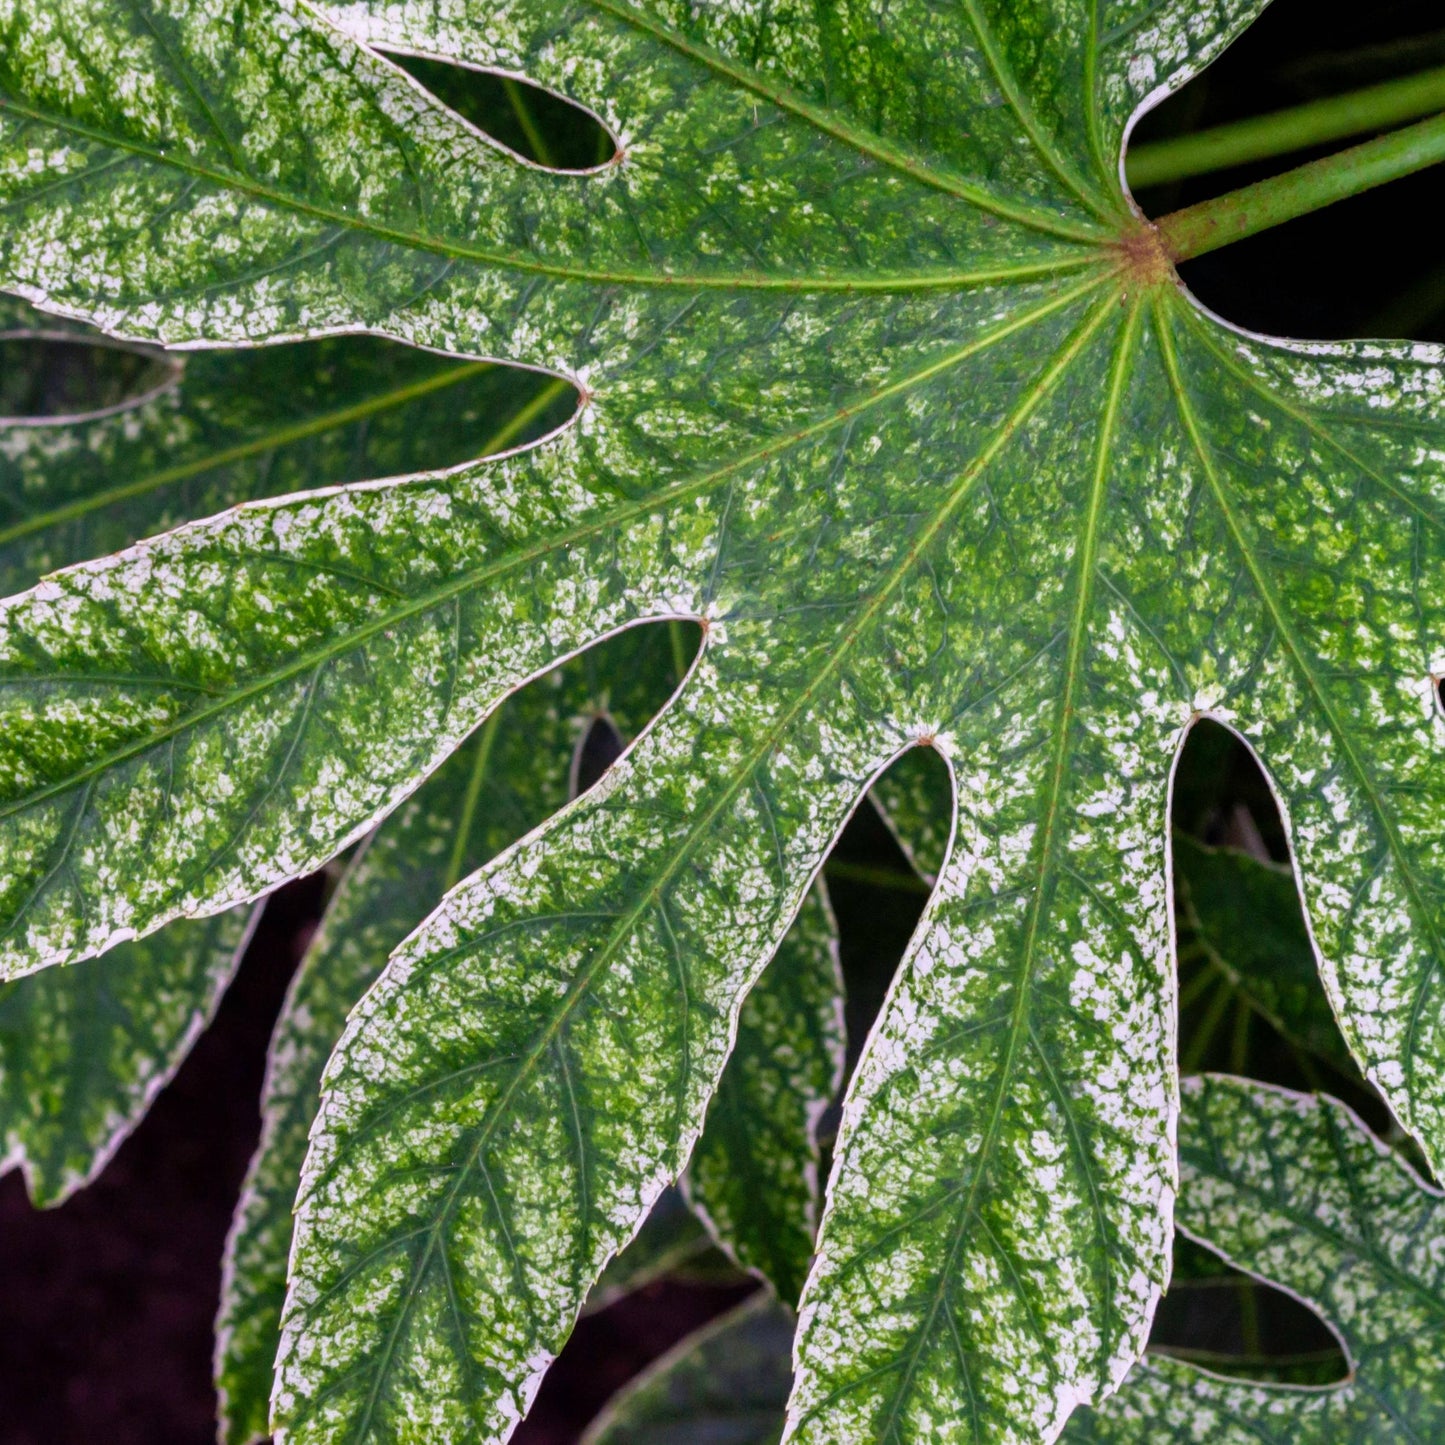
(84, 1051)
(522, 1051)
(312, 746)
(138, 688)
(943, 455)
(503, 781)
(989, 1119)
(232, 427)
(1297, 1191)
(1344, 715)
(369, 178)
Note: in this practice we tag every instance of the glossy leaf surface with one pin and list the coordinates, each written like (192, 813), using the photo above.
(502, 782)
(1292, 1189)
(505, 780)
(887, 384)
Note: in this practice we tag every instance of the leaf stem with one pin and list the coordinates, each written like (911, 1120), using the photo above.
(876, 877)
(541, 151)
(1197, 230)
(1261, 137)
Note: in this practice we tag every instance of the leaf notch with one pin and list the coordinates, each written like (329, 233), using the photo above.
(537, 125)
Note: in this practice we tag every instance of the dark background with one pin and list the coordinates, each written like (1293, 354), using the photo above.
(107, 1303)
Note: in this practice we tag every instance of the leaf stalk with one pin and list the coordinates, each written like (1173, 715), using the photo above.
(1199, 229)
(1281, 132)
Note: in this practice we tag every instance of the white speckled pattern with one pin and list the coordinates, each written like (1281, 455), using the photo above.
(870, 391)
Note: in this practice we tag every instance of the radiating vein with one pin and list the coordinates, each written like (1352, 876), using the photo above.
(868, 143)
(701, 826)
(1028, 121)
(352, 221)
(967, 1212)
(525, 557)
(1308, 676)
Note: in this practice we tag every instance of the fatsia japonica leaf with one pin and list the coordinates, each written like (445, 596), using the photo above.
(231, 426)
(100, 445)
(725, 1384)
(1293, 1189)
(506, 779)
(500, 783)
(1296, 1191)
(888, 385)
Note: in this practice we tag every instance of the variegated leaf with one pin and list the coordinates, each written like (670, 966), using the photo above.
(1298, 1192)
(500, 783)
(476, 1087)
(226, 427)
(101, 445)
(1294, 1190)
(889, 386)
(503, 781)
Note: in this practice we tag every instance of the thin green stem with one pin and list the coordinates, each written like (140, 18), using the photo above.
(516, 425)
(1261, 137)
(541, 151)
(876, 877)
(1197, 230)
